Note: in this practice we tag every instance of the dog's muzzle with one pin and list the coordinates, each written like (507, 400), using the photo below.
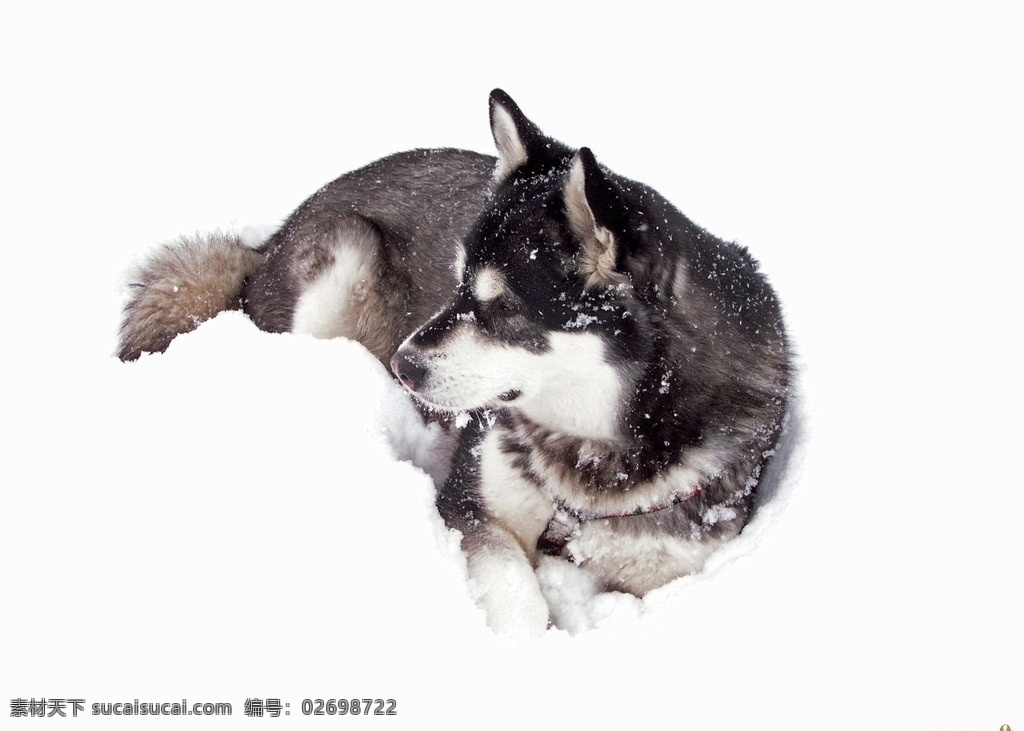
(409, 368)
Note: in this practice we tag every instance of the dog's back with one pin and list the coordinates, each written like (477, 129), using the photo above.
(369, 256)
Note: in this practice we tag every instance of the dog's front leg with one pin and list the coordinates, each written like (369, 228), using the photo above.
(500, 514)
(503, 582)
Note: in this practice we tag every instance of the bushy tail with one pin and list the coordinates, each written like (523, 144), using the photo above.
(181, 285)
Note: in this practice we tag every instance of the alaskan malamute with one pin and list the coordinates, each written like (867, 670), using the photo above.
(621, 373)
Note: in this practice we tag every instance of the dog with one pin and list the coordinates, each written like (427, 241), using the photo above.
(618, 375)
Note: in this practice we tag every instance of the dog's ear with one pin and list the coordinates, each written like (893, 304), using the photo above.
(592, 209)
(514, 135)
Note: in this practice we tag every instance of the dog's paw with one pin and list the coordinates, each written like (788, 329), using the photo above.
(509, 593)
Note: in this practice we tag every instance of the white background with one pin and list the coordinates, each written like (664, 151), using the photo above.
(227, 521)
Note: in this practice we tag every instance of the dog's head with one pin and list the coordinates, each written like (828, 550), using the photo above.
(553, 312)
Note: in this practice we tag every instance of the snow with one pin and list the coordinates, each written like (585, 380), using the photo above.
(239, 517)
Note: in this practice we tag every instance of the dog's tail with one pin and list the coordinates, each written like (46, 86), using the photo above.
(181, 285)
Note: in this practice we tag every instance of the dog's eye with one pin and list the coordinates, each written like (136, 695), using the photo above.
(500, 312)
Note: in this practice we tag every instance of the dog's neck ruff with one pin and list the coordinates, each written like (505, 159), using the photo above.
(593, 480)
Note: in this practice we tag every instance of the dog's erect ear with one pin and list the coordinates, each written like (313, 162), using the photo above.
(514, 135)
(587, 189)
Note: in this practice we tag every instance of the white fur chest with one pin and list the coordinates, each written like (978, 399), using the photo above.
(636, 561)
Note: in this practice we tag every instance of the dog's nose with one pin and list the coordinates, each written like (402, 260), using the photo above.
(408, 369)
